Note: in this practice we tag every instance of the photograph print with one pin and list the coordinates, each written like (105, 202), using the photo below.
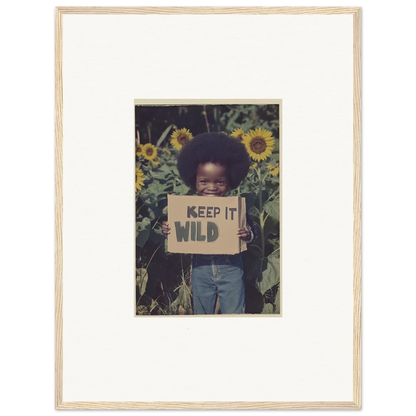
(207, 209)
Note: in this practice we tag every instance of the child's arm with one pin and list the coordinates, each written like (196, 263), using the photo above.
(250, 232)
(245, 234)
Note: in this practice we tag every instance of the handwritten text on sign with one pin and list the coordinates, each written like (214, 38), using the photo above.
(194, 224)
(194, 228)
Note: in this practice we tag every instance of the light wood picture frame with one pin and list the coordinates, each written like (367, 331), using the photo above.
(65, 239)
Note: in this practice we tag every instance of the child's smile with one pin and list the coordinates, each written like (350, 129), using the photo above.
(211, 179)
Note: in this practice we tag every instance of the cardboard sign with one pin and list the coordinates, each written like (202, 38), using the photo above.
(206, 225)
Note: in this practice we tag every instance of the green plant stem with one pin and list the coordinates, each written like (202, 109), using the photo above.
(253, 245)
(183, 279)
(157, 221)
(148, 132)
(151, 258)
(278, 249)
(206, 119)
(141, 206)
(266, 176)
(262, 220)
(251, 183)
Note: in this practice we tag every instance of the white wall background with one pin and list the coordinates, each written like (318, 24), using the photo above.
(108, 61)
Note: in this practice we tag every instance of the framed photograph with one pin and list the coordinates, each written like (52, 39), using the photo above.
(168, 297)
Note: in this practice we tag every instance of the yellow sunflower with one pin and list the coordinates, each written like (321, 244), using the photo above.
(274, 170)
(253, 166)
(166, 151)
(259, 143)
(139, 150)
(156, 161)
(238, 134)
(139, 179)
(149, 151)
(180, 137)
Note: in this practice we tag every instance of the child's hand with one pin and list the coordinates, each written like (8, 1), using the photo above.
(244, 234)
(165, 228)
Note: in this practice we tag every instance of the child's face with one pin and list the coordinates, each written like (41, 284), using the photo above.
(211, 179)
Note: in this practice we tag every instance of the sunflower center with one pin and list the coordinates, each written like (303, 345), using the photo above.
(258, 145)
(182, 138)
(149, 151)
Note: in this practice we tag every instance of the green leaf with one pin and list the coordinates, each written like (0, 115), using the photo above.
(254, 264)
(156, 235)
(181, 190)
(272, 208)
(160, 175)
(271, 226)
(141, 280)
(274, 158)
(154, 211)
(157, 188)
(175, 171)
(271, 276)
(277, 302)
(268, 308)
(163, 136)
(166, 169)
(144, 223)
(143, 232)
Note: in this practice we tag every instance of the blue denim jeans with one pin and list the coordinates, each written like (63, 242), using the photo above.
(218, 275)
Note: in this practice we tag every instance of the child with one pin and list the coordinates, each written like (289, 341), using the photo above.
(213, 163)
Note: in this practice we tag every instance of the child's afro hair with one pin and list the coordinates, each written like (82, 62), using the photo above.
(215, 148)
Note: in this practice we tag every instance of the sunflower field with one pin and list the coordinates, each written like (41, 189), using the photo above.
(163, 279)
